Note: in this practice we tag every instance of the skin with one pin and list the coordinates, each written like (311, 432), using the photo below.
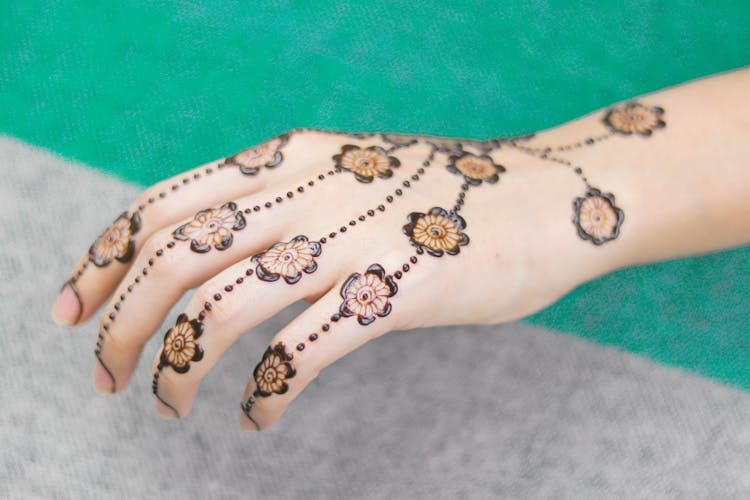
(682, 190)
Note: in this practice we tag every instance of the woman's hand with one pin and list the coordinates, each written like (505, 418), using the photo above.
(379, 232)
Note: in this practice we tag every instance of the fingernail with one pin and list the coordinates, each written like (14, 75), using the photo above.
(165, 411)
(68, 306)
(104, 382)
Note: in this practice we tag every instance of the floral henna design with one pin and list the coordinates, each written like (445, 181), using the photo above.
(288, 260)
(366, 295)
(272, 373)
(436, 232)
(366, 163)
(634, 118)
(597, 217)
(212, 227)
(117, 241)
(475, 168)
(268, 155)
(180, 347)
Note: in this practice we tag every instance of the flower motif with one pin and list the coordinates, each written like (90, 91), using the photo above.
(288, 259)
(400, 140)
(634, 118)
(366, 296)
(475, 168)
(212, 226)
(597, 217)
(366, 163)
(273, 371)
(436, 232)
(117, 241)
(180, 347)
(268, 155)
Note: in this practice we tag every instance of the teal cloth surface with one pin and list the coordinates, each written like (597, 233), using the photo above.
(144, 90)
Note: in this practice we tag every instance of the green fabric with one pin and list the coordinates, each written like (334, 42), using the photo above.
(147, 89)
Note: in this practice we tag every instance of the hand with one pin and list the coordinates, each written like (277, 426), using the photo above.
(379, 232)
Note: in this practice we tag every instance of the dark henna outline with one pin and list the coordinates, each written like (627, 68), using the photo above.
(266, 275)
(275, 161)
(197, 329)
(98, 355)
(247, 407)
(378, 271)
(386, 174)
(203, 247)
(155, 390)
(71, 284)
(623, 108)
(284, 359)
(414, 217)
(592, 192)
(134, 225)
(475, 181)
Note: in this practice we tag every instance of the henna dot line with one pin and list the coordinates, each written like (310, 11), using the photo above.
(587, 141)
(399, 192)
(561, 161)
(117, 306)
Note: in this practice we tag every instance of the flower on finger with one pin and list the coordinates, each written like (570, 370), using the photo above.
(436, 232)
(212, 227)
(366, 295)
(268, 155)
(634, 118)
(475, 168)
(116, 243)
(180, 347)
(366, 163)
(273, 371)
(288, 260)
(596, 216)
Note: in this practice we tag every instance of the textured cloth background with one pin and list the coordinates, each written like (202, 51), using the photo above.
(481, 412)
(144, 90)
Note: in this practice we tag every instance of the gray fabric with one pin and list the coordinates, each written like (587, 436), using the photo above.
(476, 412)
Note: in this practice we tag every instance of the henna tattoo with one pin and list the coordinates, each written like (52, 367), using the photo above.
(212, 227)
(597, 217)
(288, 260)
(72, 284)
(251, 161)
(436, 232)
(116, 243)
(366, 163)
(634, 118)
(475, 169)
(273, 371)
(180, 346)
(366, 295)
(247, 407)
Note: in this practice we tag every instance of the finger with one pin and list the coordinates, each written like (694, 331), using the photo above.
(172, 262)
(365, 306)
(169, 276)
(249, 292)
(163, 204)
